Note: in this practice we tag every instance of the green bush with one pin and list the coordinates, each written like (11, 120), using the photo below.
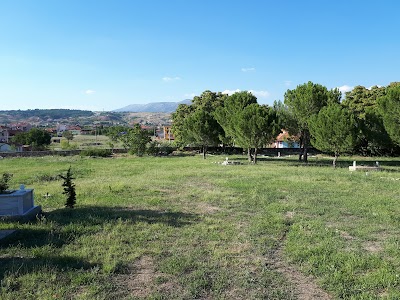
(96, 152)
(4, 182)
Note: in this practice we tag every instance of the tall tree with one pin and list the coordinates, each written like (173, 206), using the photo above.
(228, 113)
(333, 130)
(135, 140)
(68, 135)
(255, 126)
(305, 101)
(389, 106)
(195, 124)
(372, 138)
(203, 129)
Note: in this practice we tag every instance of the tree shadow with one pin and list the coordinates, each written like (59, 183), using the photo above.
(66, 221)
(70, 224)
(341, 162)
(95, 215)
(18, 266)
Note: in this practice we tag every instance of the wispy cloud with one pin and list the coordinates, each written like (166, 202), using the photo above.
(374, 86)
(345, 88)
(189, 96)
(170, 79)
(288, 82)
(248, 69)
(230, 92)
(90, 92)
(258, 94)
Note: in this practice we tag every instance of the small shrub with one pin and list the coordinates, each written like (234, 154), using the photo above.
(4, 182)
(96, 152)
(47, 177)
(69, 189)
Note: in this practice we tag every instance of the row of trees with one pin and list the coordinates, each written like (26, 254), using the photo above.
(365, 122)
(216, 118)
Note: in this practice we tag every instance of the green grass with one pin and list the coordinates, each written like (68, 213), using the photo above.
(187, 228)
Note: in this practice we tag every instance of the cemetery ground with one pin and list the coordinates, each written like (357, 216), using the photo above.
(188, 228)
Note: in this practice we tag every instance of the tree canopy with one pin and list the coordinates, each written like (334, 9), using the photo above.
(333, 130)
(372, 138)
(38, 139)
(305, 101)
(389, 106)
(136, 140)
(249, 124)
(196, 124)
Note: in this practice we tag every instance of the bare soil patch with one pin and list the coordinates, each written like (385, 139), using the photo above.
(305, 286)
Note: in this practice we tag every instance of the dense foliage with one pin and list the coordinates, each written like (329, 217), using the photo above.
(4, 182)
(135, 140)
(372, 138)
(303, 102)
(196, 124)
(38, 139)
(333, 130)
(390, 108)
(247, 123)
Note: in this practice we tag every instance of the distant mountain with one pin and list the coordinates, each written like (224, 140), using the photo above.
(156, 107)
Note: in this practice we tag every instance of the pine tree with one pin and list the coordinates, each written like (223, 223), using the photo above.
(69, 189)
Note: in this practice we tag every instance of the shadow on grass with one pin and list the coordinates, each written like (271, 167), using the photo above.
(68, 224)
(96, 215)
(61, 227)
(341, 162)
(18, 266)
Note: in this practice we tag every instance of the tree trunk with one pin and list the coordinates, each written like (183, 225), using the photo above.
(204, 152)
(305, 146)
(249, 154)
(255, 156)
(305, 153)
(301, 149)
(335, 159)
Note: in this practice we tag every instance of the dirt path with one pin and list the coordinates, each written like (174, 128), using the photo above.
(305, 286)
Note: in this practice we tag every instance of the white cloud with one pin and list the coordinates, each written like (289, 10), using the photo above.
(170, 79)
(288, 82)
(258, 94)
(345, 88)
(190, 96)
(248, 69)
(230, 92)
(89, 92)
(379, 86)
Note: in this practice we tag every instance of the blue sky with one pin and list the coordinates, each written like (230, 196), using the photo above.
(103, 55)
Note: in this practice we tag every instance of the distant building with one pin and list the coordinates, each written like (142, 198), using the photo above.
(168, 134)
(285, 140)
(21, 126)
(4, 135)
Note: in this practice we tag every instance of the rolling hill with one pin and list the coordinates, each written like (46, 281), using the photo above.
(161, 107)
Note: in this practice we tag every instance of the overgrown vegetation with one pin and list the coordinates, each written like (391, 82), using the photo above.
(4, 182)
(95, 152)
(185, 228)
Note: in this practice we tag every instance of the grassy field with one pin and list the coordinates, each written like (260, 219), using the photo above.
(187, 228)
